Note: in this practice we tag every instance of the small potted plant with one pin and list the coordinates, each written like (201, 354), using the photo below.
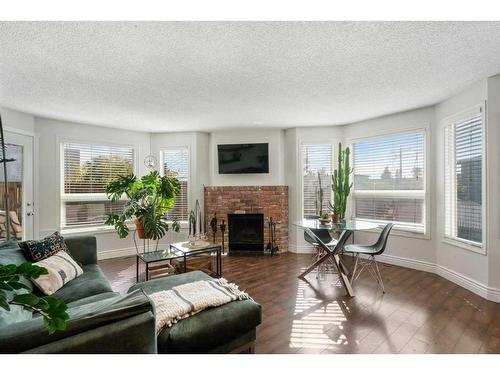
(149, 198)
(325, 218)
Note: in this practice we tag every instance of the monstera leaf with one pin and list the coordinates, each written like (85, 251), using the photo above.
(51, 309)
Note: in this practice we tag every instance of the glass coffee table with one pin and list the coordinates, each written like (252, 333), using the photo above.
(178, 251)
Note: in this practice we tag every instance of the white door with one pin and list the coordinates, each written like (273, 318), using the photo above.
(20, 187)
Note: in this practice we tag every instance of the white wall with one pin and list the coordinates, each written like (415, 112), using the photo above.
(276, 140)
(15, 120)
(493, 188)
(51, 133)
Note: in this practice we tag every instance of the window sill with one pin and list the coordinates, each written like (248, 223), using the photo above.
(401, 232)
(464, 245)
(106, 229)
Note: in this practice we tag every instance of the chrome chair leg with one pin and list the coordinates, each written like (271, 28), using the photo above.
(381, 282)
(371, 265)
(355, 267)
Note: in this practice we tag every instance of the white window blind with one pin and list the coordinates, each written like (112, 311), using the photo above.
(316, 167)
(389, 180)
(464, 180)
(176, 163)
(88, 169)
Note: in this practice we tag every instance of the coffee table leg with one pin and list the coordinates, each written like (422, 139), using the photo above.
(136, 268)
(147, 271)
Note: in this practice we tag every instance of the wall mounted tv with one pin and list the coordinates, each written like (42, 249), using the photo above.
(243, 158)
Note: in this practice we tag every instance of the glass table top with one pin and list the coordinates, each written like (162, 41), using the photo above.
(344, 225)
(181, 247)
(154, 256)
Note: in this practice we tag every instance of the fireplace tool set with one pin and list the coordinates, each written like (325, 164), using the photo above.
(272, 247)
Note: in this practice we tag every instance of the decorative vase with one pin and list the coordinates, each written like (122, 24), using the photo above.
(140, 229)
(335, 218)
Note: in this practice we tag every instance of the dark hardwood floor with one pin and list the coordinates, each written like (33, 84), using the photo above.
(420, 312)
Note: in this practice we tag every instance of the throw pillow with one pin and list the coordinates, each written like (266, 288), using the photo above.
(62, 269)
(37, 250)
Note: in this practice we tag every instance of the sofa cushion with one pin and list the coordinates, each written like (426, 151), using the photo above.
(208, 329)
(92, 299)
(61, 270)
(24, 336)
(92, 282)
(38, 250)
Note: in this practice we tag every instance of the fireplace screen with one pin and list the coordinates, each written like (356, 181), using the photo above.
(246, 232)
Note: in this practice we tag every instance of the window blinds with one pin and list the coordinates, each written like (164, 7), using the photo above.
(389, 180)
(317, 166)
(88, 169)
(176, 163)
(464, 180)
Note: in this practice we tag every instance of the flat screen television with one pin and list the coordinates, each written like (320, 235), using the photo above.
(243, 158)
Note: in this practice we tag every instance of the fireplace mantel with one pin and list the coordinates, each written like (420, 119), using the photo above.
(272, 201)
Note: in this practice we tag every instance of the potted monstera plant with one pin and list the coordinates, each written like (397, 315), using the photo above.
(149, 198)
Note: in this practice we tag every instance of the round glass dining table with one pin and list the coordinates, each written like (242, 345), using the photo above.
(352, 225)
(332, 252)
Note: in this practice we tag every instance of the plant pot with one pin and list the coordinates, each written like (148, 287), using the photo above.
(324, 221)
(140, 229)
(335, 218)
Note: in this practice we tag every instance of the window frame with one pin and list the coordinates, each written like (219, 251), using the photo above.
(64, 197)
(479, 248)
(189, 185)
(400, 228)
(301, 166)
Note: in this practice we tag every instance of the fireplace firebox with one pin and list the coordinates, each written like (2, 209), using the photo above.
(246, 233)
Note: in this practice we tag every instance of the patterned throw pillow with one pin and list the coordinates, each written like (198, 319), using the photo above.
(62, 269)
(37, 250)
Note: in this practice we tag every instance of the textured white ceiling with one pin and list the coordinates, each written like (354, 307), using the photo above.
(178, 76)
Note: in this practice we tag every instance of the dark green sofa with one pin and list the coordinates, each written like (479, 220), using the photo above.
(103, 321)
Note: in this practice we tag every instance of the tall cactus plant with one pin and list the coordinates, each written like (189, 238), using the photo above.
(341, 185)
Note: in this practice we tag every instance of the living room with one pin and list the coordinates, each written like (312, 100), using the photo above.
(256, 187)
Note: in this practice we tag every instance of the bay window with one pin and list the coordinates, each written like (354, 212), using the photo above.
(389, 180)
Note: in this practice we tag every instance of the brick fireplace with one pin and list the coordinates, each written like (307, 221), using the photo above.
(272, 201)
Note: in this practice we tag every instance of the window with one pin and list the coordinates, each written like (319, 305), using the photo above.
(389, 180)
(464, 180)
(176, 163)
(316, 168)
(88, 168)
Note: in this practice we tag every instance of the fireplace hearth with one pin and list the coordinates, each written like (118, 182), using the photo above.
(246, 233)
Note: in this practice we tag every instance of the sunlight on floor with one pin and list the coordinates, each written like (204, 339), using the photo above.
(313, 319)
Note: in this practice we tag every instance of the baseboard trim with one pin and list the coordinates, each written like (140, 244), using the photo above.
(420, 265)
(303, 249)
(116, 253)
(491, 294)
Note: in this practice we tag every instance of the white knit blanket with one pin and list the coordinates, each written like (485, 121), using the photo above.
(185, 300)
